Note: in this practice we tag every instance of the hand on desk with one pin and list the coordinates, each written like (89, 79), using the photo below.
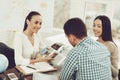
(40, 58)
(44, 59)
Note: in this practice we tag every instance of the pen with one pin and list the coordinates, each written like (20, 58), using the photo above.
(31, 67)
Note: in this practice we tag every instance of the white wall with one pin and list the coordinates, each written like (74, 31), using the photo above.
(7, 37)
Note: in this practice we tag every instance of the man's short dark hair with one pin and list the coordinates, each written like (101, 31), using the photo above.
(76, 27)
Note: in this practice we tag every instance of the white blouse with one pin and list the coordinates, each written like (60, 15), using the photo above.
(24, 49)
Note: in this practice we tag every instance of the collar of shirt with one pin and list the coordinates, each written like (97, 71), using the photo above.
(83, 40)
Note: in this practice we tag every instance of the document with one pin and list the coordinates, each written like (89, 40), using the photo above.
(55, 52)
(58, 59)
(41, 76)
(36, 67)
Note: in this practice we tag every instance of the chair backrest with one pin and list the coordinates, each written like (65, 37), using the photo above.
(9, 53)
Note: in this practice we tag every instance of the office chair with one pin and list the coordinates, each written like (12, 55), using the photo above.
(9, 53)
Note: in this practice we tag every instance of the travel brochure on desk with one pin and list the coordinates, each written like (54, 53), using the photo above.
(55, 52)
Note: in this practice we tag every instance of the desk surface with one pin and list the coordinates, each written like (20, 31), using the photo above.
(27, 77)
(18, 74)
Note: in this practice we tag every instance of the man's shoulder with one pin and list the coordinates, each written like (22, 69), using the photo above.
(95, 46)
(91, 44)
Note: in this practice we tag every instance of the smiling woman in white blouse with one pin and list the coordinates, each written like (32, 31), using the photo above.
(27, 44)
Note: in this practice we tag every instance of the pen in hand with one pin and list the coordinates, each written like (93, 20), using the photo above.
(31, 67)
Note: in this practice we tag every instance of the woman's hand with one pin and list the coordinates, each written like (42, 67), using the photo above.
(48, 58)
(38, 55)
(39, 58)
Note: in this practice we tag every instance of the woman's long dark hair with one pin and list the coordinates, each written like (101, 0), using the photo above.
(29, 16)
(106, 28)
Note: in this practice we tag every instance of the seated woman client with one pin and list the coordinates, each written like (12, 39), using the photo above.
(27, 44)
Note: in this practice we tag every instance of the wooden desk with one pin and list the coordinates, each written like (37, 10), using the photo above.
(18, 74)
(27, 77)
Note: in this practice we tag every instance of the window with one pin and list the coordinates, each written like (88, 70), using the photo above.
(61, 13)
(93, 9)
(109, 8)
(116, 21)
